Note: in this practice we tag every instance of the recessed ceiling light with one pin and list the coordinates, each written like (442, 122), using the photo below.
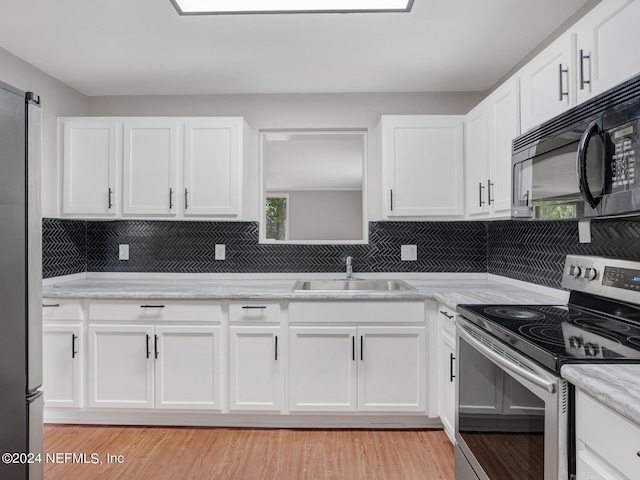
(218, 7)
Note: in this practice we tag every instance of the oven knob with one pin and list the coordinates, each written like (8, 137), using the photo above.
(575, 342)
(575, 271)
(590, 274)
(591, 350)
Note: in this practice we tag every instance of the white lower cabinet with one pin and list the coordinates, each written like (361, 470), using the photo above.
(61, 373)
(255, 372)
(357, 368)
(186, 356)
(322, 369)
(608, 444)
(446, 369)
(142, 366)
(392, 369)
(121, 366)
(186, 367)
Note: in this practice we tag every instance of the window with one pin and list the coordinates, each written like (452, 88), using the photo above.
(277, 209)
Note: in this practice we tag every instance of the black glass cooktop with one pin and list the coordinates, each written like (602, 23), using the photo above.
(554, 335)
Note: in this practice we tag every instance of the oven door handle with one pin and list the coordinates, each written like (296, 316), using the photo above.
(506, 364)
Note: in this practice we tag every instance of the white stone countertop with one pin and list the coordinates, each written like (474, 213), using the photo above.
(448, 291)
(615, 385)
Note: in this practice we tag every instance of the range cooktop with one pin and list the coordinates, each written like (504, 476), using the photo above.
(558, 334)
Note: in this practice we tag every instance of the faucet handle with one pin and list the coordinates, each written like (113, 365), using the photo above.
(348, 260)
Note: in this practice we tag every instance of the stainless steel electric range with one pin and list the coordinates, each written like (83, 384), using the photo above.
(514, 417)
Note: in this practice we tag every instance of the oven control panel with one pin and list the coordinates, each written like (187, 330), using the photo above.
(607, 277)
(626, 278)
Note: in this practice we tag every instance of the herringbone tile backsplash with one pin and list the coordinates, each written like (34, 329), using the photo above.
(524, 250)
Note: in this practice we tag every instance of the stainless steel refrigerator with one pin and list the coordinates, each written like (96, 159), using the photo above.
(21, 401)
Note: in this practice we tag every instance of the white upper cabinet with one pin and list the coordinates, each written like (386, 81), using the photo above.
(89, 154)
(476, 147)
(489, 132)
(607, 43)
(504, 107)
(597, 53)
(422, 162)
(150, 162)
(547, 82)
(150, 167)
(212, 168)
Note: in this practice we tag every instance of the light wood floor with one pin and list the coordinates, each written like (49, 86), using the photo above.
(176, 453)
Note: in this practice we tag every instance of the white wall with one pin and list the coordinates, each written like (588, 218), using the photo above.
(57, 100)
(325, 215)
(286, 111)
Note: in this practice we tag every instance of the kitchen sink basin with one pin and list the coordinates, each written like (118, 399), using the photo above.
(351, 285)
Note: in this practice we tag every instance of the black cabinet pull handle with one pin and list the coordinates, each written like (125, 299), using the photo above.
(562, 92)
(353, 348)
(446, 314)
(151, 306)
(74, 352)
(170, 198)
(480, 188)
(276, 348)
(451, 359)
(110, 201)
(50, 305)
(526, 199)
(490, 185)
(155, 346)
(186, 198)
(583, 57)
(148, 351)
(638, 453)
(391, 192)
(254, 307)
(361, 349)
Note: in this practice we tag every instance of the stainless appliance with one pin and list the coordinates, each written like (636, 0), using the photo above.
(582, 163)
(514, 411)
(21, 401)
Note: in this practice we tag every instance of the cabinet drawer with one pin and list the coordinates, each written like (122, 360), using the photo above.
(255, 312)
(154, 310)
(608, 434)
(61, 309)
(357, 311)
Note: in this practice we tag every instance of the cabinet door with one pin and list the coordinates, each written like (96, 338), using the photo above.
(448, 412)
(607, 40)
(187, 362)
(322, 369)
(213, 166)
(422, 165)
(504, 105)
(121, 366)
(255, 377)
(476, 148)
(61, 373)
(150, 159)
(547, 83)
(89, 155)
(392, 369)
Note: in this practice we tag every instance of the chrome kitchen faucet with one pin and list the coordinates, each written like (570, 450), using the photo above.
(349, 267)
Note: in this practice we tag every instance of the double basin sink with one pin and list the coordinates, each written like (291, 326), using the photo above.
(351, 285)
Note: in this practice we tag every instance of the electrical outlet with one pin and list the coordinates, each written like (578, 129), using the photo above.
(409, 253)
(220, 252)
(123, 251)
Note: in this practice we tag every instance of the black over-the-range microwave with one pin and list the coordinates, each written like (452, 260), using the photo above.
(582, 163)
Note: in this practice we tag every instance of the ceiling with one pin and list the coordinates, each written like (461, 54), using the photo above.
(143, 47)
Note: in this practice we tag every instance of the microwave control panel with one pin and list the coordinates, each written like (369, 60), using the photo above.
(623, 162)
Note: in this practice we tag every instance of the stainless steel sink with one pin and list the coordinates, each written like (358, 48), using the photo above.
(351, 285)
